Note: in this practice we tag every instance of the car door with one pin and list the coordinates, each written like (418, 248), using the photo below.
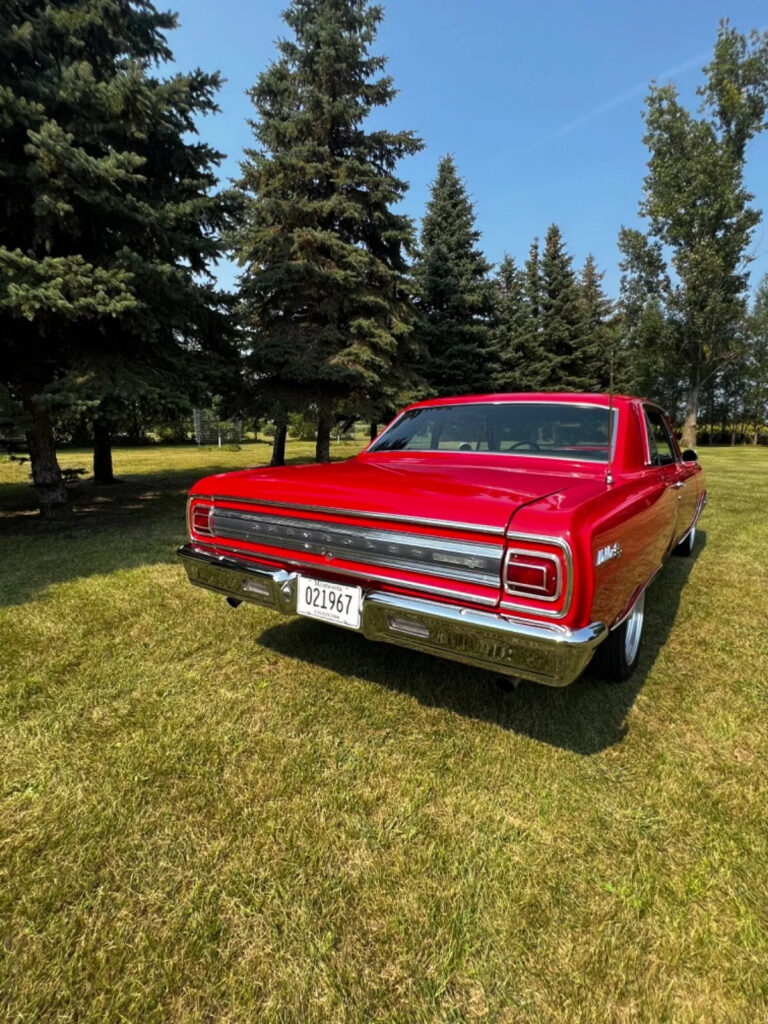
(688, 487)
(665, 466)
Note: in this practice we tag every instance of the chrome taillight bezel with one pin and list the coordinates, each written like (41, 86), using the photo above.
(532, 593)
(553, 549)
(194, 528)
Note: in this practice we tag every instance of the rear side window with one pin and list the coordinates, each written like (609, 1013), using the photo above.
(661, 445)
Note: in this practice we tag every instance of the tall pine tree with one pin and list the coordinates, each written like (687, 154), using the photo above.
(509, 328)
(534, 361)
(456, 295)
(324, 289)
(106, 217)
(601, 329)
(562, 319)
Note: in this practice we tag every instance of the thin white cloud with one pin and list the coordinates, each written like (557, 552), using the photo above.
(624, 97)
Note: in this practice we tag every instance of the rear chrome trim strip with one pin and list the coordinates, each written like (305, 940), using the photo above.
(459, 561)
(337, 571)
(443, 524)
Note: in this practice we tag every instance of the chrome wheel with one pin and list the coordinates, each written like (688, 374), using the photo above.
(616, 657)
(685, 547)
(634, 630)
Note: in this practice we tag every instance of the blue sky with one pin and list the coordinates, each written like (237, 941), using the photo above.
(539, 103)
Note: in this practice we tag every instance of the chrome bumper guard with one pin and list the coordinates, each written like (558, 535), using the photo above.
(541, 651)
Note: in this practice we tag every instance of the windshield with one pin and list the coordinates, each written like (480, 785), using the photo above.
(560, 430)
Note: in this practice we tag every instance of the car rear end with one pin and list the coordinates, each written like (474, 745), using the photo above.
(481, 593)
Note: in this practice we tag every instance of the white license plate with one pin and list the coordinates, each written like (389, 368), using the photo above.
(332, 602)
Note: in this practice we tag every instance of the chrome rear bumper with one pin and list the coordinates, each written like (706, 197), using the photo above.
(541, 651)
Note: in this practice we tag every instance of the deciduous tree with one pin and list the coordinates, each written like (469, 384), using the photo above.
(698, 209)
(756, 397)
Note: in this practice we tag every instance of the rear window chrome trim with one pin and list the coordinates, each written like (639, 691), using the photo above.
(612, 411)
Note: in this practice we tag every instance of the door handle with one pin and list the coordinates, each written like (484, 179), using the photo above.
(678, 485)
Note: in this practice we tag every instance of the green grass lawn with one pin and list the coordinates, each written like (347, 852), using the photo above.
(217, 815)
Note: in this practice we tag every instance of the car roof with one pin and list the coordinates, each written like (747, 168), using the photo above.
(581, 398)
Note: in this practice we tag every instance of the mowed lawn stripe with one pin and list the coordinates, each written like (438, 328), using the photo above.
(218, 815)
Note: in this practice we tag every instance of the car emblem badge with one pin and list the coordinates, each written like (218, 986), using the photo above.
(607, 553)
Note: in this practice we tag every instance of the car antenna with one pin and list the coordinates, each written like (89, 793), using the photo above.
(608, 473)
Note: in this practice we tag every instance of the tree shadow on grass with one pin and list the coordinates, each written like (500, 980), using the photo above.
(140, 520)
(586, 717)
(97, 504)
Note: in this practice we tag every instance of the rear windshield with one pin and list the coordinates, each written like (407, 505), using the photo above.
(555, 429)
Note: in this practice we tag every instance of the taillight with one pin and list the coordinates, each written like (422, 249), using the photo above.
(200, 520)
(534, 575)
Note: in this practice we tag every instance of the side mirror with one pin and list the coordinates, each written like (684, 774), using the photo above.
(689, 455)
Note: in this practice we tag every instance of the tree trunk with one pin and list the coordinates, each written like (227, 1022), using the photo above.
(374, 430)
(102, 452)
(51, 493)
(136, 431)
(324, 424)
(691, 415)
(278, 444)
(711, 417)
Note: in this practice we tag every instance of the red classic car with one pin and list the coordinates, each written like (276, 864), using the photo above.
(514, 532)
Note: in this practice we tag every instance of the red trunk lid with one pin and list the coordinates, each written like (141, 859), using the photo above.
(444, 488)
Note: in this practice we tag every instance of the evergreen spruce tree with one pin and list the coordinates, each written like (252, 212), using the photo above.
(456, 295)
(600, 326)
(324, 288)
(534, 360)
(649, 335)
(562, 319)
(106, 217)
(510, 323)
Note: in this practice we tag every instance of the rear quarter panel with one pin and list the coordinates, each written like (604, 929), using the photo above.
(627, 538)
(633, 520)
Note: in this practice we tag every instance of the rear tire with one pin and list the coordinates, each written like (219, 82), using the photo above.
(685, 547)
(617, 656)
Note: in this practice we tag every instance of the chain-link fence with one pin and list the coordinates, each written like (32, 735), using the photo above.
(209, 429)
